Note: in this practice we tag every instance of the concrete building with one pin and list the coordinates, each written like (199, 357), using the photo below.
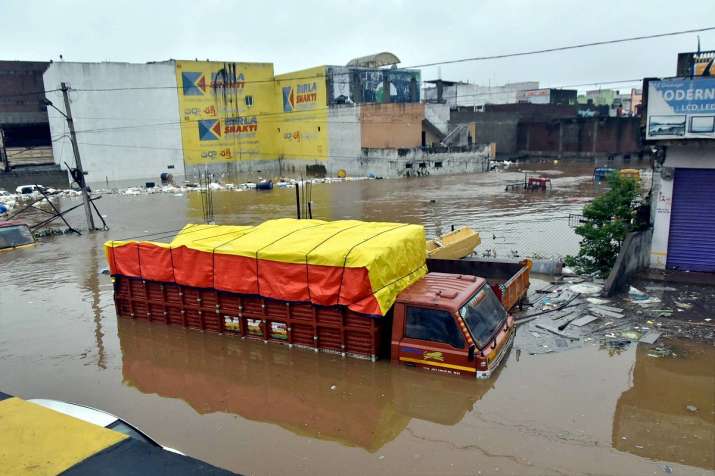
(126, 117)
(459, 94)
(679, 120)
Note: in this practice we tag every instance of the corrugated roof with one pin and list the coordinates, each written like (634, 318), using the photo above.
(375, 61)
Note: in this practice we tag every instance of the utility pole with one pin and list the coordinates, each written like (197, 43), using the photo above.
(79, 178)
(3, 153)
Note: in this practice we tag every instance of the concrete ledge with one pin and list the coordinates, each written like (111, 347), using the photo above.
(634, 256)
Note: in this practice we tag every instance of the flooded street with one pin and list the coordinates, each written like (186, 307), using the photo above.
(266, 409)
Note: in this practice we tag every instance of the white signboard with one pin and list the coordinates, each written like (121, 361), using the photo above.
(534, 96)
(681, 109)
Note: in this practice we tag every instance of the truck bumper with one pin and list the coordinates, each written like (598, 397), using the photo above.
(494, 364)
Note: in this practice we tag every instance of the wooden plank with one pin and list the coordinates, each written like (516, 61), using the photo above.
(584, 320)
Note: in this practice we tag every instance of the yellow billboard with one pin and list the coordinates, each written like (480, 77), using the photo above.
(301, 121)
(222, 107)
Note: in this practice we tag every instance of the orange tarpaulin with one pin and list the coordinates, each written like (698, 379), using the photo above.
(363, 265)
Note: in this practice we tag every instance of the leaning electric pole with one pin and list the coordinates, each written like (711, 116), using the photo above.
(79, 175)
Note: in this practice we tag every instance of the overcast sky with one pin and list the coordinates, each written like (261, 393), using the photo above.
(299, 34)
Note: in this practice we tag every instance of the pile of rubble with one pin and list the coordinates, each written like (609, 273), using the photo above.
(11, 201)
(569, 313)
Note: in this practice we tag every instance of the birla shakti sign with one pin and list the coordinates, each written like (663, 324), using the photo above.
(222, 107)
(681, 108)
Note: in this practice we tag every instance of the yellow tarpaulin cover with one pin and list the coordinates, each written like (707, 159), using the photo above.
(363, 265)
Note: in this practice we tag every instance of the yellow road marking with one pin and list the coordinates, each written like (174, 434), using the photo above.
(438, 364)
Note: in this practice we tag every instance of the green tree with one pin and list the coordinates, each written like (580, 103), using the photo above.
(607, 220)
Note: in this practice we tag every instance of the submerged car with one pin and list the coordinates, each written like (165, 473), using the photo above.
(100, 418)
(15, 234)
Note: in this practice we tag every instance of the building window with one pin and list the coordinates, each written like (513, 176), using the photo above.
(318, 128)
(248, 100)
(438, 165)
(433, 325)
(423, 165)
(408, 166)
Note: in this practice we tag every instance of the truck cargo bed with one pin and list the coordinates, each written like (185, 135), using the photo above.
(509, 280)
(334, 329)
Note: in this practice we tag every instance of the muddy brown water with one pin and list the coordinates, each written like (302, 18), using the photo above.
(266, 409)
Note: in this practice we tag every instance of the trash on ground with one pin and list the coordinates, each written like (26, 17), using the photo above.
(586, 288)
(593, 300)
(650, 337)
(691, 408)
(566, 271)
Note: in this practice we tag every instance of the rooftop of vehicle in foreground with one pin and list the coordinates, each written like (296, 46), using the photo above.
(442, 289)
(37, 440)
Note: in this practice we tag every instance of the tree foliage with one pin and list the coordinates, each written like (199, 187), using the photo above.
(607, 220)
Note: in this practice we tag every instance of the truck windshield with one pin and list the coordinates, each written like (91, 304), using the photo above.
(483, 314)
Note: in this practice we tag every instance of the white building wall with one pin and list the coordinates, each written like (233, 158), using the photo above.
(344, 146)
(438, 115)
(689, 155)
(129, 134)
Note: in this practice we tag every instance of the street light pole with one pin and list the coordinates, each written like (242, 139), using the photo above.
(79, 178)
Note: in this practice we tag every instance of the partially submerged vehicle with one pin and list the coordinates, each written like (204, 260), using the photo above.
(30, 189)
(455, 244)
(15, 234)
(348, 287)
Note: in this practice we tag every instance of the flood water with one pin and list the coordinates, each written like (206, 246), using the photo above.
(265, 409)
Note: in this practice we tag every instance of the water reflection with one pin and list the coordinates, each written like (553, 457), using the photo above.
(91, 285)
(353, 402)
(652, 419)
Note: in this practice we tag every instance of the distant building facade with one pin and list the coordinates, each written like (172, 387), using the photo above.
(23, 116)
(459, 94)
(136, 121)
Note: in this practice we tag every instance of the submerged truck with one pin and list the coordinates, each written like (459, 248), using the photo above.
(354, 288)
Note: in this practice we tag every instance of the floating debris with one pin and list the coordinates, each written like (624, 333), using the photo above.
(660, 352)
(650, 337)
(639, 297)
(633, 335)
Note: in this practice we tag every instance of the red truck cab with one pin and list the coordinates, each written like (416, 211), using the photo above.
(452, 323)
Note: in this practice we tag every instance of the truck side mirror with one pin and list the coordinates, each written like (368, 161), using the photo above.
(470, 356)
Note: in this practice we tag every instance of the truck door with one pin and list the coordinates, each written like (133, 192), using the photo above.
(432, 339)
